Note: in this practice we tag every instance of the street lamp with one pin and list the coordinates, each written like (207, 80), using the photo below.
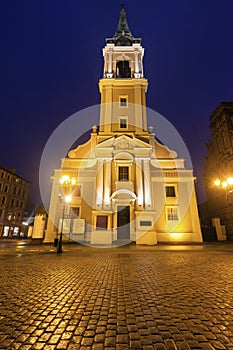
(65, 182)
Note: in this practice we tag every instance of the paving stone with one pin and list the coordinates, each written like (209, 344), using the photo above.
(127, 297)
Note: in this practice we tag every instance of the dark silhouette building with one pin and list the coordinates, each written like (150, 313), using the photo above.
(13, 199)
(218, 173)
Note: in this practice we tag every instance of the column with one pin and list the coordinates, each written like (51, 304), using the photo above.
(99, 182)
(136, 68)
(147, 187)
(107, 182)
(110, 61)
(139, 182)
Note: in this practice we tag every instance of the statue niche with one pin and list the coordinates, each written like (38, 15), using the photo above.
(123, 69)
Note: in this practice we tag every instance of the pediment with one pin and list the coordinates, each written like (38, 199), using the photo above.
(123, 142)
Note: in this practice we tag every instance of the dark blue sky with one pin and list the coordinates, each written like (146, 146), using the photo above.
(51, 61)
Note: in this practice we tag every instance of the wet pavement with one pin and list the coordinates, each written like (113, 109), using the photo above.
(130, 297)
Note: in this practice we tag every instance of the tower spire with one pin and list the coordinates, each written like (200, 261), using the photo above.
(123, 28)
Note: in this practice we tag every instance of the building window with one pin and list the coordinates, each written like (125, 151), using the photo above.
(170, 191)
(14, 192)
(123, 101)
(6, 189)
(3, 200)
(123, 123)
(12, 202)
(2, 174)
(172, 213)
(101, 222)
(123, 173)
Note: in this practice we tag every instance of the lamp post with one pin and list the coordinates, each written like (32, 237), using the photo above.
(65, 182)
(67, 199)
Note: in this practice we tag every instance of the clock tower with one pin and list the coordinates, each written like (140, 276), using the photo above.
(123, 86)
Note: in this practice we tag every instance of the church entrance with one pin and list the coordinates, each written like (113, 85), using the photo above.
(123, 222)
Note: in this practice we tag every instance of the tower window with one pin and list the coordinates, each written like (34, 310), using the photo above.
(172, 213)
(123, 101)
(123, 123)
(123, 69)
(170, 191)
(123, 173)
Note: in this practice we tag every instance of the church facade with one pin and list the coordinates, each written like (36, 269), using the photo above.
(123, 185)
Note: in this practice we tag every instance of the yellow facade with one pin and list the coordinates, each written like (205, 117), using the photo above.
(125, 185)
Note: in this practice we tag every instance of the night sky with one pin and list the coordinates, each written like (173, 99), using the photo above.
(51, 61)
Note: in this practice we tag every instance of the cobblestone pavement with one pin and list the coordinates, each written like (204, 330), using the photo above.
(162, 297)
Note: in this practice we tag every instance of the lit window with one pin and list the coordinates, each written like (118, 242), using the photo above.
(172, 213)
(170, 191)
(123, 173)
(123, 101)
(123, 123)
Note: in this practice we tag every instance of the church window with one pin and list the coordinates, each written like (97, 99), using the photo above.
(101, 222)
(123, 123)
(123, 101)
(123, 173)
(172, 213)
(170, 191)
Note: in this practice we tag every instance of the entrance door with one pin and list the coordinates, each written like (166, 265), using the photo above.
(123, 222)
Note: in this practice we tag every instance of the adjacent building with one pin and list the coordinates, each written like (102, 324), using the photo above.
(13, 199)
(218, 173)
(123, 185)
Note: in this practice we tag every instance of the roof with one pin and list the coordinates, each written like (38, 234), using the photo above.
(123, 35)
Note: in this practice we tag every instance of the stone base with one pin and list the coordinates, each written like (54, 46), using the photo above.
(101, 237)
(147, 238)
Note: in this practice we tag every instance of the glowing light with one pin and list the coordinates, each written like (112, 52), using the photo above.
(73, 181)
(68, 199)
(230, 180)
(224, 184)
(217, 182)
(64, 179)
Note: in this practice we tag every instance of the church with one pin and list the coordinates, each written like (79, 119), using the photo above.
(123, 185)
